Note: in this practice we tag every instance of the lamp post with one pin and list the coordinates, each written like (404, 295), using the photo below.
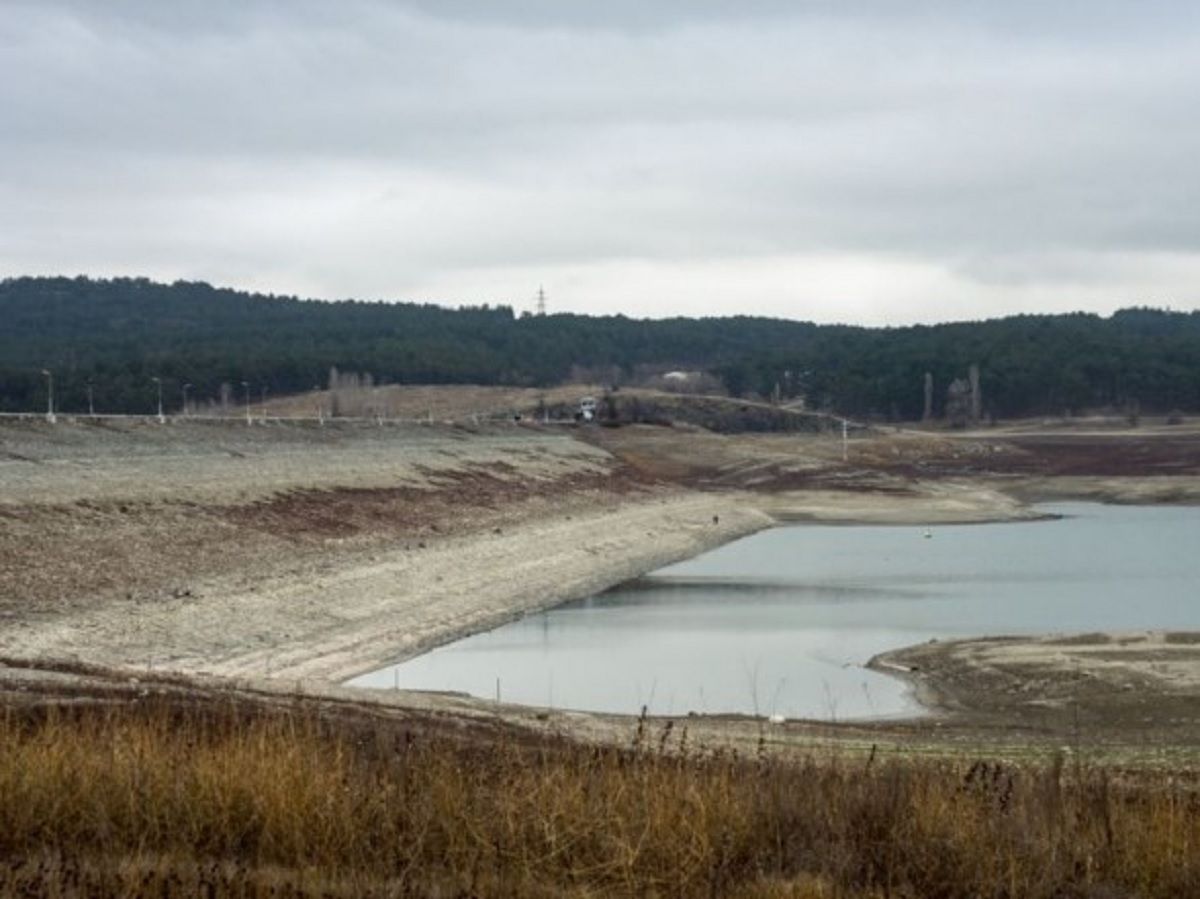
(185, 389)
(162, 419)
(50, 417)
(246, 387)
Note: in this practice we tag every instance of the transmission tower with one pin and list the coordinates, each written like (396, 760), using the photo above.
(541, 301)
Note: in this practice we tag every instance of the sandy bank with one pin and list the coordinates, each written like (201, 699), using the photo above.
(333, 616)
(934, 502)
(1140, 686)
(1152, 490)
(331, 620)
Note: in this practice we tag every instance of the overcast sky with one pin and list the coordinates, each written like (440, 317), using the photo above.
(870, 162)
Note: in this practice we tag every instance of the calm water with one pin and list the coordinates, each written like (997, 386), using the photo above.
(783, 621)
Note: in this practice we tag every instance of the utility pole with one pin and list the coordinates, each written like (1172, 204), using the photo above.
(246, 386)
(50, 417)
(185, 389)
(91, 404)
(845, 440)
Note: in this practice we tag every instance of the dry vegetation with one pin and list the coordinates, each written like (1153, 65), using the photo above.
(158, 798)
(153, 799)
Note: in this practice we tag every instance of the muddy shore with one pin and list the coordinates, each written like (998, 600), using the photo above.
(1139, 688)
(293, 555)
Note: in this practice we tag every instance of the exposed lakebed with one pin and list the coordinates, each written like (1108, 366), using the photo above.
(783, 622)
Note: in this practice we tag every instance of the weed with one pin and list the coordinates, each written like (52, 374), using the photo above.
(153, 800)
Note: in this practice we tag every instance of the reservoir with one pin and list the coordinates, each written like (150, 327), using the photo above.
(783, 622)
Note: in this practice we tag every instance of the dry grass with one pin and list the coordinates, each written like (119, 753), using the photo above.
(155, 800)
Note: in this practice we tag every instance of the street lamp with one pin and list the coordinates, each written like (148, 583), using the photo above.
(162, 419)
(186, 388)
(50, 417)
(246, 387)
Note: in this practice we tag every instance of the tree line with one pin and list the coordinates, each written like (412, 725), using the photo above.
(106, 340)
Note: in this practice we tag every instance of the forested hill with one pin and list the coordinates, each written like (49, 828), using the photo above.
(119, 334)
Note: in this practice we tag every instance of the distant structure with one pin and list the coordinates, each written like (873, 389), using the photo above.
(541, 300)
(958, 403)
(976, 396)
(927, 415)
(964, 400)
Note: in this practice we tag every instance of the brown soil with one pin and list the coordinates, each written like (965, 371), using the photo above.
(486, 498)
(1139, 690)
(86, 521)
(902, 462)
(1062, 456)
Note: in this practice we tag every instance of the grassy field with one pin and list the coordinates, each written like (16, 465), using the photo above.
(156, 799)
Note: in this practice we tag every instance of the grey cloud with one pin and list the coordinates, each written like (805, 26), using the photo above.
(428, 138)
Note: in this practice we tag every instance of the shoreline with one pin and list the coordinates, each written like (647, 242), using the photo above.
(933, 705)
(365, 615)
(309, 556)
(1093, 685)
(582, 556)
(924, 692)
(336, 622)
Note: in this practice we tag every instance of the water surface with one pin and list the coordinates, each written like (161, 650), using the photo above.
(783, 621)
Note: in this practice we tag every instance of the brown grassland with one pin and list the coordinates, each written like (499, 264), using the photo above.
(213, 799)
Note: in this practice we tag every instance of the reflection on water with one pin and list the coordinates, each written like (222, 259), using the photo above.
(783, 621)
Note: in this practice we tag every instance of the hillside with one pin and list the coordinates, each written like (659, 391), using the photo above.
(121, 334)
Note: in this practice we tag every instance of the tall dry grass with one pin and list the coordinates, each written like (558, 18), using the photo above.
(160, 801)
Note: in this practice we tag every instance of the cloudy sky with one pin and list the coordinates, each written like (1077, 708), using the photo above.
(871, 162)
